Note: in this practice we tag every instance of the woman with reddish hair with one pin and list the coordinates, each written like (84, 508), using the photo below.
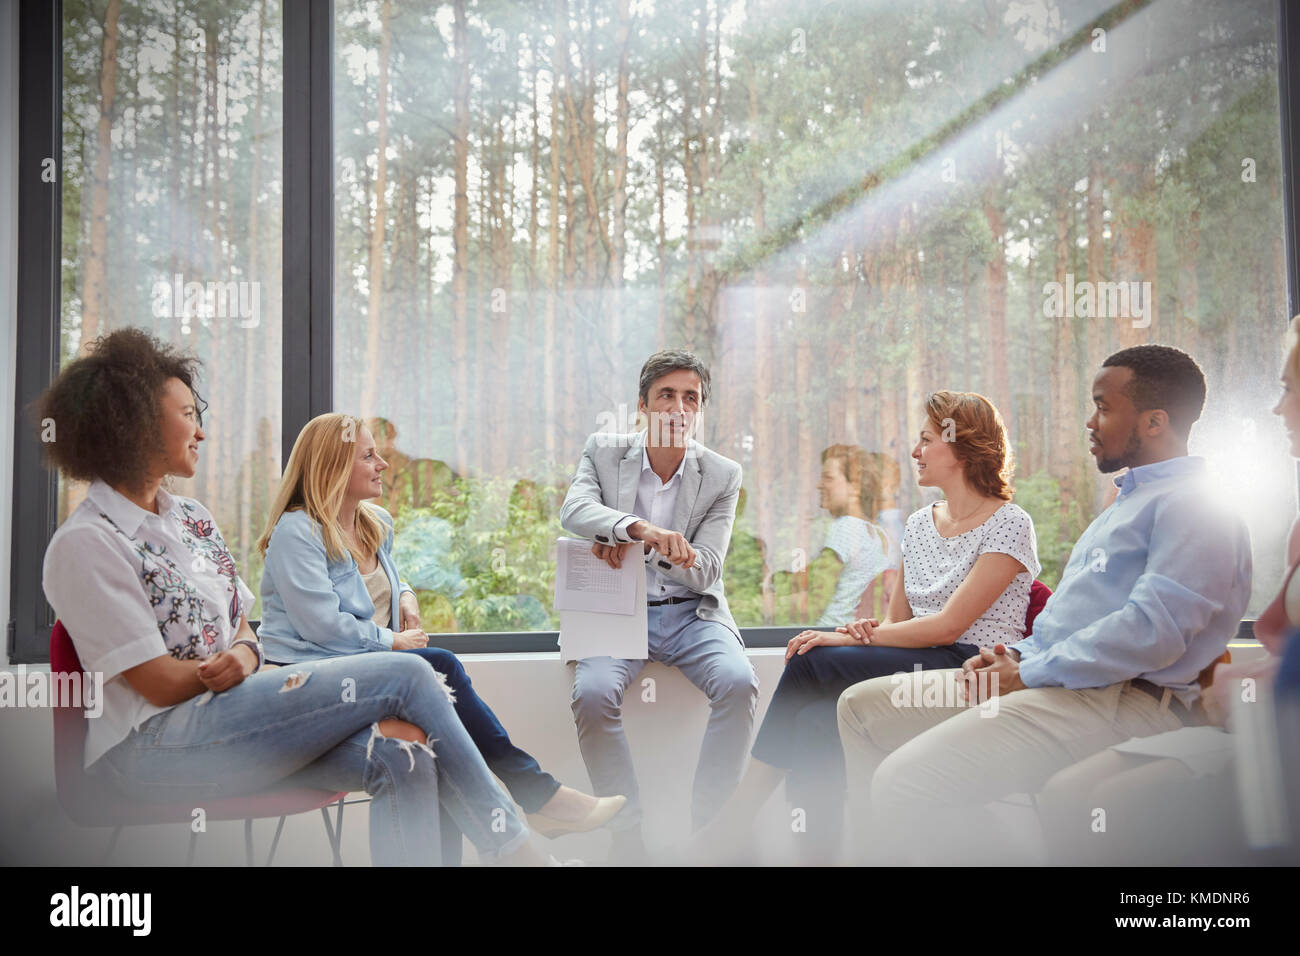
(968, 563)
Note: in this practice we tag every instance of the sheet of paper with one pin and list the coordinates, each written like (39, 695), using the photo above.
(596, 634)
(583, 582)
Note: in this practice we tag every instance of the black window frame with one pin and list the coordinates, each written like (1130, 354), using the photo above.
(307, 247)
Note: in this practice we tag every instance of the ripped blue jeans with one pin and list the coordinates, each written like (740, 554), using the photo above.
(319, 729)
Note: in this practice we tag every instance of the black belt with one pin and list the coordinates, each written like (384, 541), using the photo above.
(1193, 716)
(671, 600)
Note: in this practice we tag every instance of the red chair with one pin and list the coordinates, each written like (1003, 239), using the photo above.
(91, 802)
(1038, 595)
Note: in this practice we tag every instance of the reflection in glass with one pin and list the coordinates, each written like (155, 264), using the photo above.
(842, 207)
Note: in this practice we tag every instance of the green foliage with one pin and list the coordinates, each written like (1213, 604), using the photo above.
(1057, 524)
(477, 573)
(742, 579)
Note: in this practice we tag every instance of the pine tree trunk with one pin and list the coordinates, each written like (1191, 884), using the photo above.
(460, 238)
(550, 388)
(93, 289)
(1064, 415)
(996, 304)
(374, 367)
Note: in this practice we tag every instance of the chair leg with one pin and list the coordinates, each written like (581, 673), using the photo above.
(338, 835)
(112, 845)
(334, 833)
(189, 857)
(275, 842)
(248, 841)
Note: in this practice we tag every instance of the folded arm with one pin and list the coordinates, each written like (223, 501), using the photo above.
(990, 576)
(710, 541)
(584, 513)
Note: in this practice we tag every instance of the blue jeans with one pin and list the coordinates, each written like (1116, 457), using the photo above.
(322, 733)
(527, 782)
(1287, 703)
(712, 658)
(800, 731)
(523, 776)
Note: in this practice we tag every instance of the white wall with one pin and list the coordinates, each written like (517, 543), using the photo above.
(8, 286)
(530, 695)
(528, 692)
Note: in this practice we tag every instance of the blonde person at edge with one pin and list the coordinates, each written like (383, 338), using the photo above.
(150, 595)
(968, 563)
(328, 590)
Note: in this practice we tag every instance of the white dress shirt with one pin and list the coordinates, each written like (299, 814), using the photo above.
(655, 501)
(130, 585)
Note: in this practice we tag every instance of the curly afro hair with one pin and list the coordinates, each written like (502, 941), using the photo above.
(105, 407)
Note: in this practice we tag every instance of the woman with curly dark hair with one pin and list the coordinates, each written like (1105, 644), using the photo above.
(968, 563)
(146, 587)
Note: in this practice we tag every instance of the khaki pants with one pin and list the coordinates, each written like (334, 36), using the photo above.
(923, 768)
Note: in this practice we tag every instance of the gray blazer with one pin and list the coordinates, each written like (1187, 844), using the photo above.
(603, 492)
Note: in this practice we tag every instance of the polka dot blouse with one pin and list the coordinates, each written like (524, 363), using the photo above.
(934, 567)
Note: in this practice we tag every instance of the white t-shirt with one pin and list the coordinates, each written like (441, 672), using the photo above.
(130, 585)
(934, 567)
(857, 544)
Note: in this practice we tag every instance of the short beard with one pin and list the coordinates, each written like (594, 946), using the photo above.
(1109, 465)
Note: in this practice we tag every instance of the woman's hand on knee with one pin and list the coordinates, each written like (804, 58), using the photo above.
(860, 630)
(409, 640)
(804, 641)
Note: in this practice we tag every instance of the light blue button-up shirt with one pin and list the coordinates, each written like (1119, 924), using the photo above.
(1155, 587)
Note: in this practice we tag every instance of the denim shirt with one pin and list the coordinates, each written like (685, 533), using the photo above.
(1154, 588)
(315, 607)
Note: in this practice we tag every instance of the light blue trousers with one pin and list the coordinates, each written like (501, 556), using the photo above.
(714, 661)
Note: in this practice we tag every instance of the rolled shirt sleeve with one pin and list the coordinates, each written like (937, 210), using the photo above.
(97, 596)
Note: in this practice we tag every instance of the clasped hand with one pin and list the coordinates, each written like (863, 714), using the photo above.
(227, 669)
(991, 673)
(855, 632)
(670, 544)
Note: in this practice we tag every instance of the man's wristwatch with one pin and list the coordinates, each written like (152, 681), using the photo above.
(257, 649)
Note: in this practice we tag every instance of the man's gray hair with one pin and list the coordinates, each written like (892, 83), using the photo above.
(672, 360)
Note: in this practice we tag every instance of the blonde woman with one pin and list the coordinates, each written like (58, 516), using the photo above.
(144, 583)
(330, 589)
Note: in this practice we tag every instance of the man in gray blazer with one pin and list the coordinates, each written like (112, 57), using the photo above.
(663, 496)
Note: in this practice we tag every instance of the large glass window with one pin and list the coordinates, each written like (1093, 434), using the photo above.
(841, 206)
(172, 217)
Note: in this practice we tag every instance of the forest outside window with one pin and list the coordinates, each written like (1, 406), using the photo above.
(841, 207)
(171, 209)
